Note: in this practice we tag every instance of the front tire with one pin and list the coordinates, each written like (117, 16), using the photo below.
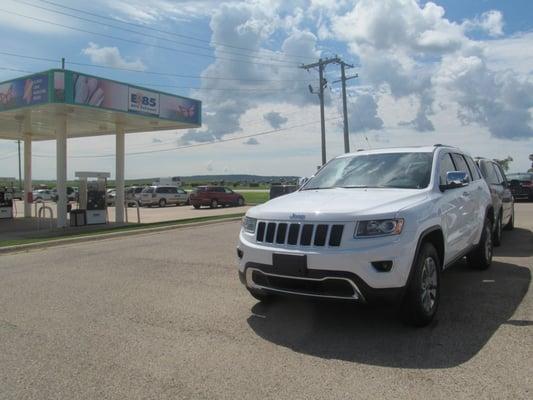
(162, 203)
(240, 202)
(481, 256)
(214, 203)
(423, 293)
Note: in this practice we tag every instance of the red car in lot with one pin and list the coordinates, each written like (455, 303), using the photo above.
(214, 196)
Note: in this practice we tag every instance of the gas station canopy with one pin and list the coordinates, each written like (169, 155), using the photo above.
(93, 106)
(60, 104)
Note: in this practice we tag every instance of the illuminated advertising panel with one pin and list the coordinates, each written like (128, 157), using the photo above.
(97, 92)
(179, 109)
(142, 101)
(23, 92)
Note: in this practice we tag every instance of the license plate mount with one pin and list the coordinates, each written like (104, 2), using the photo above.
(289, 264)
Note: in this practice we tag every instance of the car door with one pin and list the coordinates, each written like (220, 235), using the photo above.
(169, 195)
(451, 208)
(472, 198)
(182, 196)
(506, 195)
(173, 195)
(230, 196)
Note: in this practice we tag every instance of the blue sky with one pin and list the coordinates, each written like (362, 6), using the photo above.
(429, 72)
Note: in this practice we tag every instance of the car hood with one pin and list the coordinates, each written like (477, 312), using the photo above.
(338, 204)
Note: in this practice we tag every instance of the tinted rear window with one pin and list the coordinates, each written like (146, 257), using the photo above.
(148, 190)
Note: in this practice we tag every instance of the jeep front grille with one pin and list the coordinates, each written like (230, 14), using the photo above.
(295, 234)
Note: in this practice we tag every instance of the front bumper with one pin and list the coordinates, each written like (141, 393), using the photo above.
(340, 273)
(320, 284)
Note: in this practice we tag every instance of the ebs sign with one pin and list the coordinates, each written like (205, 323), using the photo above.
(143, 102)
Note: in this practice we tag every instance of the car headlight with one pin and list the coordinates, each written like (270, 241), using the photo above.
(249, 224)
(378, 227)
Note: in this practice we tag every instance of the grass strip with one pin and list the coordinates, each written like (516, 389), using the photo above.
(29, 240)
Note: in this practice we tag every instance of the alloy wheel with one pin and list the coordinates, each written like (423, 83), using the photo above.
(429, 284)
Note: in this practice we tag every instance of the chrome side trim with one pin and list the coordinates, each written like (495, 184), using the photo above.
(357, 295)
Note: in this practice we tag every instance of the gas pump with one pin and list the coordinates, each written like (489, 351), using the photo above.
(6, 199)
(92, 204)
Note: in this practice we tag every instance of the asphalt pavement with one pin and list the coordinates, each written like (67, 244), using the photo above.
(164, 316)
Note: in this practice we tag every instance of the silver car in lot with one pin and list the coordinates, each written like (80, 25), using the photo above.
(133, 194)
(162, 196)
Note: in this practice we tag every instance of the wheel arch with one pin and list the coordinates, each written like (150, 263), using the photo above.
(435, 236)
(489, 213)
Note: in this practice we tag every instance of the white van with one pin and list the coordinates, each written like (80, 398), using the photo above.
(167, 181)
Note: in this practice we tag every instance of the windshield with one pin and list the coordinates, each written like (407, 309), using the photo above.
(391, 170)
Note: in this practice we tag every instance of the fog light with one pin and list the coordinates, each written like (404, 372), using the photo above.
(239, 253)
(382, 266)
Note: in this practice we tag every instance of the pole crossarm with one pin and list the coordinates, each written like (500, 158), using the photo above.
(347, 78)
(321, 64)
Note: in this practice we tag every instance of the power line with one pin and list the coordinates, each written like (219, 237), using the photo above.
(157, 73)
(195, 144)
(154, 36)
(163, 31)
(150, 84)
(16, 70)
(245, 122)
(144, 44)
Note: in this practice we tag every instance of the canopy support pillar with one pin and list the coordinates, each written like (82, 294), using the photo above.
(61, 171)
(27, 167)
(119, 174)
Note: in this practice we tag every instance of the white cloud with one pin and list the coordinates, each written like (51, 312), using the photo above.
(275, 119)
(21, 23)
(250, 26)
(490, 22)
(508, 53)
(252, 141)
(158, 10)
(111, 57)
(363, 113)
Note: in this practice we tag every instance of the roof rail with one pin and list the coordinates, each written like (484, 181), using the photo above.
(442, 145)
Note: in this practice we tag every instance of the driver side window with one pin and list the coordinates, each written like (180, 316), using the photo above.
(445, 165)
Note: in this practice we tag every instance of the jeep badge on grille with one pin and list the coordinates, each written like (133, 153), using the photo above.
(297, 216)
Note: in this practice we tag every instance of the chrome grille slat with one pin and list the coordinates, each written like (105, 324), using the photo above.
(299, 234)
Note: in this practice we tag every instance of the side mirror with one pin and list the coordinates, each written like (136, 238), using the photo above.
(455, 179)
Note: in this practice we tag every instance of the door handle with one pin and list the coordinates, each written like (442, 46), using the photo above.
(466, 194)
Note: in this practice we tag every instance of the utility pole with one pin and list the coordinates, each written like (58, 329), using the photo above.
(344, 103)
(322, 84)
(20, 170)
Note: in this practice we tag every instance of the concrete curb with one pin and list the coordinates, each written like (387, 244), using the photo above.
(108, 235)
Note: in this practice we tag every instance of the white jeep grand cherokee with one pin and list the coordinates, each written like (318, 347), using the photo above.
(371, 225)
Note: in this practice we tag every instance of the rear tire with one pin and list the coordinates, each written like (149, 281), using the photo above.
(196, 206)
(422, 297)
(240, 202)
(162, 203)
(214, 203)
(497, 236)
(510, 224)
(481, 256)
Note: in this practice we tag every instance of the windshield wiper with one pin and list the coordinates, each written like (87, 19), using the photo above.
(317, 188)
(361, 187)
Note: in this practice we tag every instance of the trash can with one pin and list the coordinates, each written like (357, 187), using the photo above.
(77, 218)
